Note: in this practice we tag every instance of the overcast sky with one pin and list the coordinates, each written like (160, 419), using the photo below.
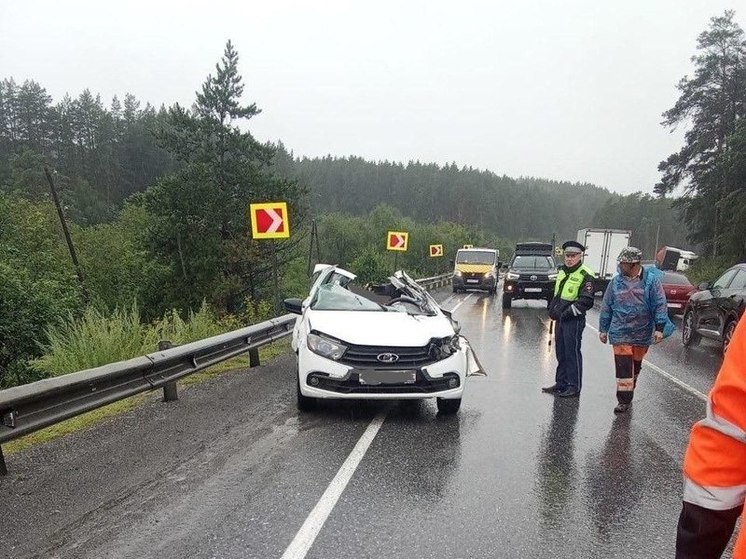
(569, 90)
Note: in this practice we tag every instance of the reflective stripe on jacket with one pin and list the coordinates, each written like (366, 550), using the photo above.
(715, 460)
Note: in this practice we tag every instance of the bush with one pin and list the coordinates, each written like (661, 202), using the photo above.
(707, 269)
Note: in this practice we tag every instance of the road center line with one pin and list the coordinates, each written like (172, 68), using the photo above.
(668, 376)
(453, 310)
(305, 537)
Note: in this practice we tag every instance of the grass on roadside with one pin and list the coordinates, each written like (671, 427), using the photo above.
(88, 419)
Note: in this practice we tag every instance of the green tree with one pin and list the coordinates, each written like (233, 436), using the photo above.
(202, 229)
(712, 102)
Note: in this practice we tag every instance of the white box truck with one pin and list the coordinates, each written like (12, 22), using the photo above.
(602, 246)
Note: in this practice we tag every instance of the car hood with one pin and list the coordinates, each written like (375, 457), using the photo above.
(391, 328)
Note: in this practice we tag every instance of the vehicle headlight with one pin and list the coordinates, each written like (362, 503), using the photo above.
(489, 275)
(440, 348)
(457, 273)
(552, 276)
(326, 347)
(512, 275)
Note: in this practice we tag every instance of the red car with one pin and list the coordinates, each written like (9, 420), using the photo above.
(678, 288)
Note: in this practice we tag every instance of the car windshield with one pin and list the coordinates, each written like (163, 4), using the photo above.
(334, 297)
(675, 279)
(536, 262)
(475, 257)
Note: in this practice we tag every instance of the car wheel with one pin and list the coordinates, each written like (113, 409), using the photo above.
(448, 406)
(305, 403)
(507, 299)
(728, 331)
(455, 289)
(689, 336)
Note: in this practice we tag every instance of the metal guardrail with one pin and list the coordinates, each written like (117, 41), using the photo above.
(33, 406)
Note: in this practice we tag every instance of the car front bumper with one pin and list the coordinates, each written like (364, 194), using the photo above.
(528, 290)
(474, 282)
(337, 380)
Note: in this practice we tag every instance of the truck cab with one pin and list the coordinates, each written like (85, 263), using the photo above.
(475, 268)
(531, 274)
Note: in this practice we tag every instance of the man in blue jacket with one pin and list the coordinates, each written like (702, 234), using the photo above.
(634, 315)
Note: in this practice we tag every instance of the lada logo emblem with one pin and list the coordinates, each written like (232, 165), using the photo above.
(387, 357)
(533, 278)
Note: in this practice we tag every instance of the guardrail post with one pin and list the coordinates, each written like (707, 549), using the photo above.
(170, 393)
(254, 357)
(3, 467)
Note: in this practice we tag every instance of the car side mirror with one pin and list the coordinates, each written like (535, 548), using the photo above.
(450, 262)
(499, 264)
(505, 266)
(704, 286)
(294, 306)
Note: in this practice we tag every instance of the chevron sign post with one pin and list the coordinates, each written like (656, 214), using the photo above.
(436, 250)
(397, 240)
(269, 220)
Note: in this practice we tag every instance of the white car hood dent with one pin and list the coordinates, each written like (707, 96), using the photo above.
(395, 329)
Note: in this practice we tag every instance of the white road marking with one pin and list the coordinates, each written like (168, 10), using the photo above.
(453, 310)
(669, 376)
(305, 537)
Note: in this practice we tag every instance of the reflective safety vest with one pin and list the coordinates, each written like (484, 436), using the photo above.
(570, 283)
(715, 461)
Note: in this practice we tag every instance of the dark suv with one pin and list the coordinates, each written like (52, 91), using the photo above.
(531, 274)
(714, 310)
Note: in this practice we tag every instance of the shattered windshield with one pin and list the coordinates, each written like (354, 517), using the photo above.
(334, 297)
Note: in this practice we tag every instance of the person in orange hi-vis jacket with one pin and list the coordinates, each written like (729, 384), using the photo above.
(715, 464)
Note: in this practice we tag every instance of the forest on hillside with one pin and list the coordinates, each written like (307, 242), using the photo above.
(156, 201)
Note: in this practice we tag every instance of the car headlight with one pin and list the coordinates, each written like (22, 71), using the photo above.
(440, 348)
(489, 275)
(511, 275)
(457, 273)
(552, 276)
(326, 347)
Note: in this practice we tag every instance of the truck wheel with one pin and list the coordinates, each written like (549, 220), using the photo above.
(448, 407)
(507, 299)
(689, 336)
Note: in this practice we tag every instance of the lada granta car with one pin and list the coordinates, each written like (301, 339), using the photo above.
(388, 341)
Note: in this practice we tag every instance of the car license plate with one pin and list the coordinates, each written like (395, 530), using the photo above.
(675, 305)
(387, 377)
(472, 281)
(532, 290)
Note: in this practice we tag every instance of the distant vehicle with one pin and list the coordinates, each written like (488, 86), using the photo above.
(714, 310)
(602, 246)
(388, 341)
(531, 274)
(678, 289)
(671, 258)
(475, 268)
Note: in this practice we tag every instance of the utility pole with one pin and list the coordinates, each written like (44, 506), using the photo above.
(68, 238)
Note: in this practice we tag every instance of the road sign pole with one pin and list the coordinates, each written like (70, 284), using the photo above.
(274, 279)
(396, 261)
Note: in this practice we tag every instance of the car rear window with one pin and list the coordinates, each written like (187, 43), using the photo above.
(675, 279)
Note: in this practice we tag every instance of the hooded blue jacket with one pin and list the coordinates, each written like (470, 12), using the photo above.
(631, 310)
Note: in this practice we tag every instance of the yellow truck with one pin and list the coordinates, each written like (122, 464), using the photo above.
(475, 268)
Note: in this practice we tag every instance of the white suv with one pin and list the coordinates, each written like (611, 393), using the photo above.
(390, 341)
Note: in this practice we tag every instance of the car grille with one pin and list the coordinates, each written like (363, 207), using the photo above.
(351, 385)
(472, 275)
(534, 277)
(363, 356)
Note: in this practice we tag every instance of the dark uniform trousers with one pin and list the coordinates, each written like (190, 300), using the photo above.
(567, 337)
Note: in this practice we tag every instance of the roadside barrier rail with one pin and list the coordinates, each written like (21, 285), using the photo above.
(30, 407)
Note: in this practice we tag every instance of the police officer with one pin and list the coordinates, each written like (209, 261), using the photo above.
(573, 296)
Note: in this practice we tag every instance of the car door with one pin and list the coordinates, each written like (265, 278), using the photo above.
(709, 321)
(731, 301)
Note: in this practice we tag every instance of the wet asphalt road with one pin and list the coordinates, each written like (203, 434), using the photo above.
(233, 470)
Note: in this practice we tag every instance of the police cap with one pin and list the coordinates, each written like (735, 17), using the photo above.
(572, 246)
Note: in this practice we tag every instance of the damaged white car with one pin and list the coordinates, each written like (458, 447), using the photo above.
(389, 341)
